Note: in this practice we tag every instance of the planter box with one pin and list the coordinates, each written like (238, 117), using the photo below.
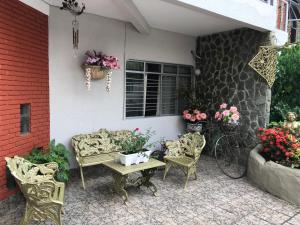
(281, 181)
(135, 158)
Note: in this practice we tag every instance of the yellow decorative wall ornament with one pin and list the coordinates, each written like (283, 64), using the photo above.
(264, 63)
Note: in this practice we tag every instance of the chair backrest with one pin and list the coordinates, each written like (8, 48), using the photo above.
(193, 144)
(100, 142)
(35, 180)
(190, 144)
(27, 172)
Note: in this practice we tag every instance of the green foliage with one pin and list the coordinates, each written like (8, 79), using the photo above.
(296, 159)
(190, 99)
(55, 153)
(136, 143)
(286, 89)
(275, 124)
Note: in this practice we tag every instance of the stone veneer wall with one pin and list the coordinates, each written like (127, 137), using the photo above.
(226, 77)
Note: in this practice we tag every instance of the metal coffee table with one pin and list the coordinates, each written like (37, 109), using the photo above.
(120, 174)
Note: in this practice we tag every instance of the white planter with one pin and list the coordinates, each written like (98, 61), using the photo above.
(135, 158)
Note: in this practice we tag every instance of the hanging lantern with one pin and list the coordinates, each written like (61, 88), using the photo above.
(74, 9)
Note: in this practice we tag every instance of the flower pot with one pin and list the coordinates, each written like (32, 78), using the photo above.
(135, 158)
(195, 127)
(96, 72)
(229, 127)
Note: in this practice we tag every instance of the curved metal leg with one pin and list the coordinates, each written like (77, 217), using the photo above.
(147, 174)
(167, 168)
(119, 185)
(187, 177)
(82, 179)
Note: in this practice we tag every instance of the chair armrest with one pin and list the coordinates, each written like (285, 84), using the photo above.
(43, 192)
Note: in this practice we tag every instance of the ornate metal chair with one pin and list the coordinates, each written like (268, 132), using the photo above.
(44, 196)
(184, 153)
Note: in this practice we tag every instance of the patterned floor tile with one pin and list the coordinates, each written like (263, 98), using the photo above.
(212, 199)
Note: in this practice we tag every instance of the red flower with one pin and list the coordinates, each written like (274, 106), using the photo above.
(136, 129)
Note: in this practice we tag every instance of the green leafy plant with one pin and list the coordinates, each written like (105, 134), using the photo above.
(191, 99)
(286, 91)
(54, 153)
(136, 142)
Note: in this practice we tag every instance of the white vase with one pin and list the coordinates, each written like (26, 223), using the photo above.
(135, 158)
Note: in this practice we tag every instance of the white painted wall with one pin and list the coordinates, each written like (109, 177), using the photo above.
(73, 109)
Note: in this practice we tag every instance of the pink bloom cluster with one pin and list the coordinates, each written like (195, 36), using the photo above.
(194, 115)
(99, 59)
(230, 115)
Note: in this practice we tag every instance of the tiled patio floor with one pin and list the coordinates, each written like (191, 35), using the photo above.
(212, 199)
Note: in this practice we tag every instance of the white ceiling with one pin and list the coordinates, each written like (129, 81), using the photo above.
(162, 15)
(171, 17)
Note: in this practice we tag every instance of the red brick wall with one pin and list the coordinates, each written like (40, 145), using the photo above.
(24, 78)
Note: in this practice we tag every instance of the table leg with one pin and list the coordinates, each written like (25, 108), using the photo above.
(145, 180)
(119, 185)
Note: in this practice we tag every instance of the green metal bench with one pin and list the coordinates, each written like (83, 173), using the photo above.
(184, 153)
(44, 196)
(97, 148)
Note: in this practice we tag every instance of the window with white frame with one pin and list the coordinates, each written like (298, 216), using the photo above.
(152, 88)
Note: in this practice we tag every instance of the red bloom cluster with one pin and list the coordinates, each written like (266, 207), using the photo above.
(279, 144)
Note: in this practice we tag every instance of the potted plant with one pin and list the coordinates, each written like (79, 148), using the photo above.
(274, 165)
(98, 66)
(194, 119)
(228, 118)
(134, 148)
(54, 153)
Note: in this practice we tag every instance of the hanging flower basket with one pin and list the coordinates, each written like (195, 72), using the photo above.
(97, 73)
(98, 66)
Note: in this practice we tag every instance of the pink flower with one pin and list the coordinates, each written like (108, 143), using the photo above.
(226, 113)
(235, 117)
(203, 116)
(217, 115)
(193, 118)
(185, 112)
(223, 106)
(136, 129)
(187, 116)
(196, 111)
(233, 109)
(198, 116)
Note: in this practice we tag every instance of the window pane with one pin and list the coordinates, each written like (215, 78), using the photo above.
(168, 95)
(185, 84)
(185, 69)
(135, 65)
(152, 94)
(134, 94)
(152, 67)
(170, 69)
(24, 118)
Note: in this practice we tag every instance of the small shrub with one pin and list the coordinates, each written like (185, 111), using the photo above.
(136, 142)
(280, 146)
(54, 153)
(286, 91)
